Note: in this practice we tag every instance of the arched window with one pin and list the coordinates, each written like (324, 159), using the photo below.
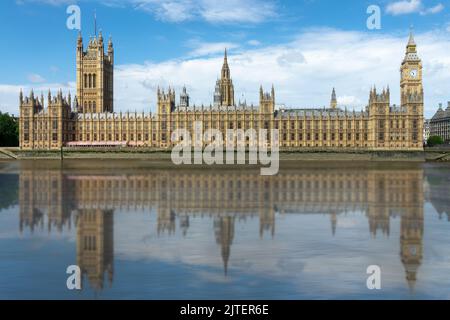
(90, 80)
(94, 104)
(94, 80)
(85, 106)
(85, 80)
(90, 106)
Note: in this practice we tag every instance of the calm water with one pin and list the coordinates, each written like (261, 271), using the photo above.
(141, 231)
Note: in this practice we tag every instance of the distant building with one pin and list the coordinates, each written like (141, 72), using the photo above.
(440, 123)
(426, 130)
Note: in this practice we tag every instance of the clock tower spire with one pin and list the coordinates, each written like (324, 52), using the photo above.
(411, 71)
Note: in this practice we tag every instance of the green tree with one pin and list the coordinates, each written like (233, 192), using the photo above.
(9, 131)
(434, 141)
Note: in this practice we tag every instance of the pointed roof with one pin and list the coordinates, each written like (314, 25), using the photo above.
(225, 59)
(411, 41)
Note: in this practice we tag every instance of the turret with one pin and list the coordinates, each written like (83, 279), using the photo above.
(110, 50)
(166, 101)
(184, 99)
(266, 101)
(333, 102)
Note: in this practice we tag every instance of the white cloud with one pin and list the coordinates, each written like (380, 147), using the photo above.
(9, 94)
(35, 78)
(303, 72)
(349, 101)
(403, 7)
(254, 42)
(433, 10)
(212, 11)
(200, 48)
(251, 11)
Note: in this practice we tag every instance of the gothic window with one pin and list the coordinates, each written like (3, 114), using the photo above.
(94, 80)
(85, 80)
(94, 106)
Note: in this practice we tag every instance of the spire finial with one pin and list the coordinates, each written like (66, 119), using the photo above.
(411, 41)
(95, 23)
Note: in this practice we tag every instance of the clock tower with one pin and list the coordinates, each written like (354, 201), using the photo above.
(411, 72)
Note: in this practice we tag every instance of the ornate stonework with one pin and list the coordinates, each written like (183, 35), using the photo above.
(90, 121)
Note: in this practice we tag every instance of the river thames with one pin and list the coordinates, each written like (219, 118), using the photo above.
(141, 230)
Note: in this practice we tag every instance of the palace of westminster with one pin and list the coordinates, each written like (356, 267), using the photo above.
(89, 120)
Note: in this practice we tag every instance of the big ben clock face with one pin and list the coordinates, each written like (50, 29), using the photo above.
(413, 73)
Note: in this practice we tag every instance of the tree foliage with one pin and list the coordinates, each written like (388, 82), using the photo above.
(9, 131)
(434, 141)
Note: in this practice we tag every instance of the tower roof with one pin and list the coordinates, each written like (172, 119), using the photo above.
(225, 60)
(411, 41)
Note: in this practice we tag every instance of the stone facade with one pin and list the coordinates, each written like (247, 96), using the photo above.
(90, 121)
(440, 123)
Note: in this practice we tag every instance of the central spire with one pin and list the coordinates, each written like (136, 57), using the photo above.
(224, 95)
(225, 68)
(333, 103)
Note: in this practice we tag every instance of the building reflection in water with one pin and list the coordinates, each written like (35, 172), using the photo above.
(78, 197)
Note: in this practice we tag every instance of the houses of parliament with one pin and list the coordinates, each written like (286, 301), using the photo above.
(89, 120)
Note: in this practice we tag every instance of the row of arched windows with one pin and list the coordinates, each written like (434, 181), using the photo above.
(90, 80)
(90, 106)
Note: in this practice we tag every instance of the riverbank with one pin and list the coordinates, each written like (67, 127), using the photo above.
(163, 155)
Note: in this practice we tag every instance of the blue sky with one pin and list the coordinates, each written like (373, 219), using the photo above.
(303, 47)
